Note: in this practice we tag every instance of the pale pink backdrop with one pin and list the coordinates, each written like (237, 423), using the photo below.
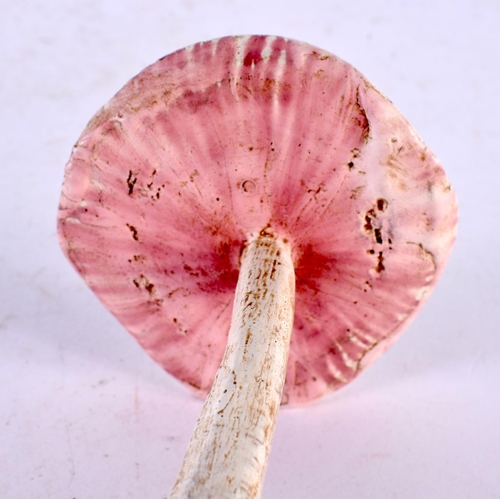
(85, 413)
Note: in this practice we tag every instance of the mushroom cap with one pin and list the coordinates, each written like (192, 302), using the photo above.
(213, 144)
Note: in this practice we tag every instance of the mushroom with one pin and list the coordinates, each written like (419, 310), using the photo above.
(265, 223)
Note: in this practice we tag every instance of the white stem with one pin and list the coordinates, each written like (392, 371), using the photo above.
(229, 449)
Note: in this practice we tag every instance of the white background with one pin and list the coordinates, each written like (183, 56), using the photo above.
(84, 413)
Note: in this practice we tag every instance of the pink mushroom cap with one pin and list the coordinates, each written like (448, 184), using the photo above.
(217, 142)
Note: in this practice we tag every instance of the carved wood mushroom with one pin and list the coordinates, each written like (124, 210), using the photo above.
(263, 183)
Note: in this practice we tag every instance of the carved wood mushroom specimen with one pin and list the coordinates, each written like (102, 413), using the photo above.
(273, 168)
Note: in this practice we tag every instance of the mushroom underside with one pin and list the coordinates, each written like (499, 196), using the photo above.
(209, 147)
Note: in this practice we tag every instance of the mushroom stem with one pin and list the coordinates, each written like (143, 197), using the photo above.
(229, 449)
